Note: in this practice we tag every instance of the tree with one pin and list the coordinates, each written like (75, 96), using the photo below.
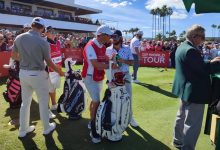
(213, 30)
(182, 36)
(163, 14)
(153, 12)
(218, 31)
(169, 13)
(132, 31)
(158, 19)
(173, 35)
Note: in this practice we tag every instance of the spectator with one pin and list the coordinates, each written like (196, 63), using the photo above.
(135, 46)
(3, 44)
(193, 86)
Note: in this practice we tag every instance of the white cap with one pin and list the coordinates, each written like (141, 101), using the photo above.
(104, 29)
(140, 32)
(26, 25)
(39, 20)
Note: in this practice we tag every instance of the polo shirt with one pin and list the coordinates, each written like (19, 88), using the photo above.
(32, 49)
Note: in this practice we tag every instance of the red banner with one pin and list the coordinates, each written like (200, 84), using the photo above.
(4, 57)
(75, 53)
(154, 59)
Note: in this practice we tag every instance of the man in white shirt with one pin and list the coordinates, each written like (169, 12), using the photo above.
(135, 46)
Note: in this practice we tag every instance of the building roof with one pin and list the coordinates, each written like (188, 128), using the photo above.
(64, 5)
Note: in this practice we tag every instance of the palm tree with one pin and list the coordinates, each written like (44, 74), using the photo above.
(158, 19)
(163, 14)
(153, 12)
(132, 31)
(169, 13)
(213, 28)
(218, 31)
(136, 29)
(158, 36)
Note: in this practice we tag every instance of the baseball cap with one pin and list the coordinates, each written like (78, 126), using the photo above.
(140, 32)
(104, 29)
(49, 28)
(39, 20)
(117, 32)
(26, 25)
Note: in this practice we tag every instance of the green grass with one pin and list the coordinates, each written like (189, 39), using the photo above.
(154, 109)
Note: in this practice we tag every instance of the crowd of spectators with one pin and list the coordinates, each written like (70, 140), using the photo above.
(70, 40)
(48, 15)
(210, 50)
(6, 39)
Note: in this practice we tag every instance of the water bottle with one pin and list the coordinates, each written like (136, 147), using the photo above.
(117, 57)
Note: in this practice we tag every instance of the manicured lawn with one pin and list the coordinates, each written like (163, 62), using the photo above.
(154, 108)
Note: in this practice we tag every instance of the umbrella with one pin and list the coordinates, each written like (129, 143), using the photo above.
(203, 6)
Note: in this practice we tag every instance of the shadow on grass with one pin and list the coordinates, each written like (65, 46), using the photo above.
(50, 143)
(145, 141)
(75, 135)
(28, 142)
(14, 115)
(3, 80)
(157, 89)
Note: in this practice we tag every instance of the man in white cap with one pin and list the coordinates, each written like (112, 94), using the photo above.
(95, 61)
(26, 27)
(135, 46)
(31, 50)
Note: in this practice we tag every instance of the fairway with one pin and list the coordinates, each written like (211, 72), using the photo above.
(154, 108)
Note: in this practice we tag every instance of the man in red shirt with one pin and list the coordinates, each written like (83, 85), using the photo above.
(95, 61)
(56, 56)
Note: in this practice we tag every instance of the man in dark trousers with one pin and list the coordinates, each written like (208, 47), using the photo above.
(192, 85)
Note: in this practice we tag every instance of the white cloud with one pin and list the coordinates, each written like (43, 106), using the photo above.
(179, 15)
(114, 4)
(177, 4)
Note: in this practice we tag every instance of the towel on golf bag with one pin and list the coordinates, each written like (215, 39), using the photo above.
(114, 113)
(72, 101)
(13, 87)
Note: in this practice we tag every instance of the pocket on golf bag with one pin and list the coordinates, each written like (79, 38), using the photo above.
(13, 92)
(73, 103)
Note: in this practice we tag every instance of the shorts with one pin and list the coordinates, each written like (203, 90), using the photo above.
(94, 88)
(54, 81)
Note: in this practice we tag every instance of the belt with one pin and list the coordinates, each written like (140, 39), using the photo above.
(89, 75)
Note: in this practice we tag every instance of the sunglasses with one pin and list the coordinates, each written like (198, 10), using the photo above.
(115, 37)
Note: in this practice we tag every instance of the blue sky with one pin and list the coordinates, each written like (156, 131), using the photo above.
(126, 14)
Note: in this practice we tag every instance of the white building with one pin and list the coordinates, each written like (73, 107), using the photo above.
(61, 14)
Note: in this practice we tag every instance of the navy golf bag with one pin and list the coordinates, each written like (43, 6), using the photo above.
(13, 87)
(72, 101)
(114, 112)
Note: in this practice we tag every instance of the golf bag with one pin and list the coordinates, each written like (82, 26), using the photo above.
(114, 112)
(13, 87)
(215, 107)
(72, 101)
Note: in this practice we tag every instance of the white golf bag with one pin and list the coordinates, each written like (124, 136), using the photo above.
(72, 101)
(114, 112)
